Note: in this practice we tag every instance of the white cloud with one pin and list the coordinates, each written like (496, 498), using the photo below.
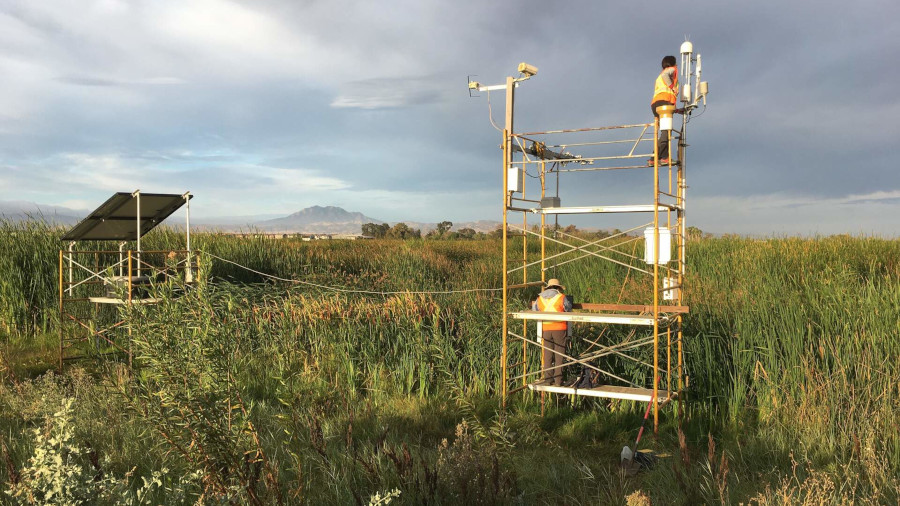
(23, 82)
(222, 38)
(92, 176)
(781, 200)
(399, 205)
(87, 80)
(209, 95)
(386, 93)
(298, 179)
(79, 204)
(780, 213)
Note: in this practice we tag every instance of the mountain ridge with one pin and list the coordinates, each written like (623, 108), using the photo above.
(318, 219)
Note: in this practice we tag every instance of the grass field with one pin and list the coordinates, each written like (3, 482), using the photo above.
(257, 392)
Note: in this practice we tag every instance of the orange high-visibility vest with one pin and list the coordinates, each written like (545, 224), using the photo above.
(553, 304)
(662, 91)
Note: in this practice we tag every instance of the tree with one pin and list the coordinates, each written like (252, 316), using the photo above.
(375, 230)
(466, 233)
(695, 233)
(399, 231)
(444, 227)
(403, 231)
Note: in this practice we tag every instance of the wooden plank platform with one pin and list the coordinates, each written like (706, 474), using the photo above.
(607, 391)
(550, 316)
(112, 300)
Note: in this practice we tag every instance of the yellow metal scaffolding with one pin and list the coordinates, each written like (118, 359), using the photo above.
(532, 152)
(616, 333)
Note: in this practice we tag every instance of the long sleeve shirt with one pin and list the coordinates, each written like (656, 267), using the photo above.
(668, 76)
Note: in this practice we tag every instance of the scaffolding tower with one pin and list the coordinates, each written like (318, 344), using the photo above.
(95, 282)
(537, 167)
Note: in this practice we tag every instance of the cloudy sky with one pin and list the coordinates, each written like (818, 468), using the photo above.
(270, 106)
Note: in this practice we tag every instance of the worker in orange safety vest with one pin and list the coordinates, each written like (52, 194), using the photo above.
(553, 334)
(665, 92)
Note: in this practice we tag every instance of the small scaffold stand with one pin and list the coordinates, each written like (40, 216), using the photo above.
(655, 320)
(95, 282)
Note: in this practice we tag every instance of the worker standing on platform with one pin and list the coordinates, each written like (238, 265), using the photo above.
(553, 334)
(665, 92)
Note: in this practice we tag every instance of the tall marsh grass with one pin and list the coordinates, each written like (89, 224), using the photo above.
(793, 341)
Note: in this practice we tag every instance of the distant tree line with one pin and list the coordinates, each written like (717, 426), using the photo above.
(404, 231)
(442, 232)
(385, 231)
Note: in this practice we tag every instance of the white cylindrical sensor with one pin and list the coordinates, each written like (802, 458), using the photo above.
(665, 116)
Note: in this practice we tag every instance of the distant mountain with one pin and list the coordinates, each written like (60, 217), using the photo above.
(318, 220)
(18, 210)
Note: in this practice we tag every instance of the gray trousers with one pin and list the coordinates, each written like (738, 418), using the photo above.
(554, 341)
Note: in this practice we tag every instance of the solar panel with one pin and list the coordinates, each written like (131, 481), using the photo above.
(116, 219)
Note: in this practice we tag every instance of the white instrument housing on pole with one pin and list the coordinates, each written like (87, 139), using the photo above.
(665, 246)
(514, 181)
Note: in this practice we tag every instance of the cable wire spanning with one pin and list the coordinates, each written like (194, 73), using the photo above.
(348, 290)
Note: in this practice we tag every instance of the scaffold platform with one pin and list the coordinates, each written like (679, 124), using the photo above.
(607, 392)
